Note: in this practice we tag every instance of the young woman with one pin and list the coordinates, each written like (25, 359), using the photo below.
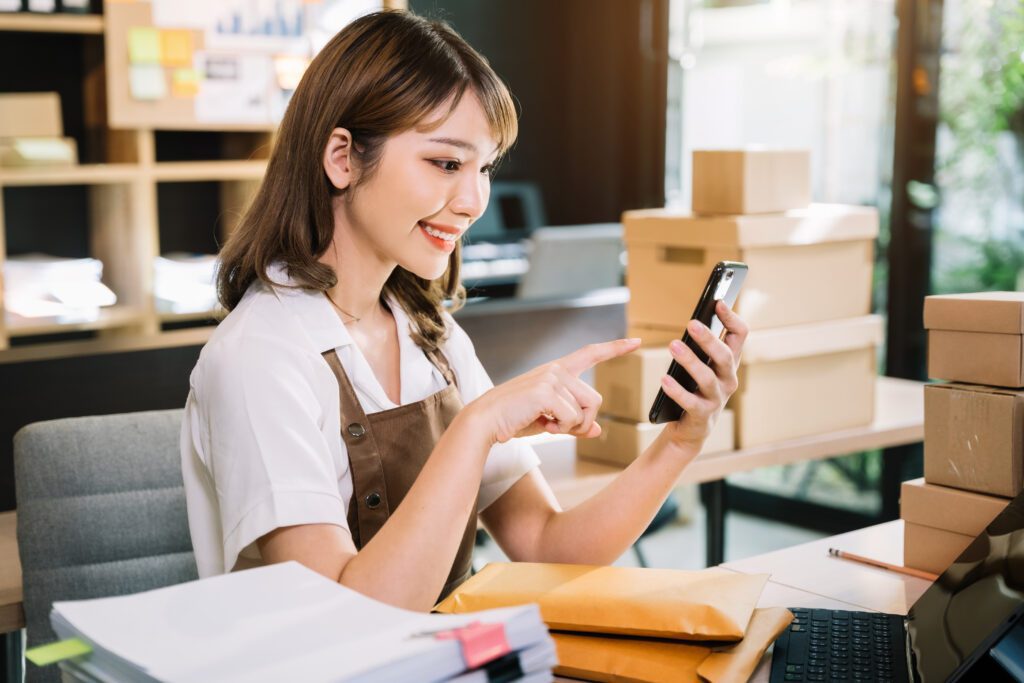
(338, 415)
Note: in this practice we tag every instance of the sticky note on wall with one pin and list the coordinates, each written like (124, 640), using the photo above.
(185, 83)
(147, 81)
(176, 47)
(143, 45)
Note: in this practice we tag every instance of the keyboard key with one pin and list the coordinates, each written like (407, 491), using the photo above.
(794, 677)
(797, 651)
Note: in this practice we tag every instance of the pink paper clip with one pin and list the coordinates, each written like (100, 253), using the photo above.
(481, 643)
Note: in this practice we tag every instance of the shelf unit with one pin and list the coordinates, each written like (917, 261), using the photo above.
(125, 229)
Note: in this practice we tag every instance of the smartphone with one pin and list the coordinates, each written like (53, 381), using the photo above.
(723, 284)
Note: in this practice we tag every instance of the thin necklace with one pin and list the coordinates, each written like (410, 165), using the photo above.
(355, 319)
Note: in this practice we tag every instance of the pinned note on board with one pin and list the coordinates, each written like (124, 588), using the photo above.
(185, 83)
(147, 82)
(143, 45)
(176, 47)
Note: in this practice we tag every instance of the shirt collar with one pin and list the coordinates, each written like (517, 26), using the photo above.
(317, 316)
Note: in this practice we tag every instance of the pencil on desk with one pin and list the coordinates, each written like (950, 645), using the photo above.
(835, 552)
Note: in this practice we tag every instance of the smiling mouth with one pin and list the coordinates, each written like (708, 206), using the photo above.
(439, 234)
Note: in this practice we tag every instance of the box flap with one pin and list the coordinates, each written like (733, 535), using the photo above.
(813, 225)
(797, 341)
(942, 507)
(976, 388)
(1000, 312)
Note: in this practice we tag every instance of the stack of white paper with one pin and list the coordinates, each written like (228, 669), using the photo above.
(284, 622)
(37, 285)
(184, 283)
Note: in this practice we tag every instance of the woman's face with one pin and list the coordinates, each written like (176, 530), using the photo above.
(429, 186)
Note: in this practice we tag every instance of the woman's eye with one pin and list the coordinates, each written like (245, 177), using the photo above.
(488, 170)
(447, 165)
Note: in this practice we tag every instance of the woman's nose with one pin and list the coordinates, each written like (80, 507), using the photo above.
(471, 196)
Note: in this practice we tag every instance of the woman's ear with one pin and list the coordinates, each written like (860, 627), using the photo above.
(338, 162)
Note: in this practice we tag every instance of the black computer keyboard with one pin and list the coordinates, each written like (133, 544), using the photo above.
(836, 645)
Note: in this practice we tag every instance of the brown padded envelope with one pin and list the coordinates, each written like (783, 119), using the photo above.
(710, 604)
(641, 660)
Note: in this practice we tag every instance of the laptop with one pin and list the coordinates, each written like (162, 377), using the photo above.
(948, 630)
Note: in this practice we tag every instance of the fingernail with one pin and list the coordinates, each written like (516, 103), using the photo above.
(676, 345)
(634, 340)
(696, 327)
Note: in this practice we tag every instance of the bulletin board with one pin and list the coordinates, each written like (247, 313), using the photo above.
(213, 64)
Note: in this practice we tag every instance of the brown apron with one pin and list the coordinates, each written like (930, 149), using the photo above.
(386, 452)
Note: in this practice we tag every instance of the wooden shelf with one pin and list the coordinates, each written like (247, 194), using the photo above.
(82, 174)
(109, 317)
(195, 171)
(91, 24)
(168, 317)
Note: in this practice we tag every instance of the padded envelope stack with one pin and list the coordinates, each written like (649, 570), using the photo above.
(809, 364)
(626, 624)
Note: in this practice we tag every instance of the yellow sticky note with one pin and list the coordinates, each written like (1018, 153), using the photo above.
(176, 47)
(143, 45)
(185, 83)
(55, 652)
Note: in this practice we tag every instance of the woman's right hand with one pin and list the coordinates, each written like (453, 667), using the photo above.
(550, 398)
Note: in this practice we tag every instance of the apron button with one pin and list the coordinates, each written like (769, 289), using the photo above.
(373, 500)
(356, 429)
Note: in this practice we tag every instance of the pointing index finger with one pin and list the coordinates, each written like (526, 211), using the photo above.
(590, 355)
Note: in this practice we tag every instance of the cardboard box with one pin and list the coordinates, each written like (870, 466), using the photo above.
(622, 442)
(655, 336)
(942, 507)
(806, 266)
(27, 115)
(628, 384)
(806, 379)
(931, 549)
(974, 438)
(750, 181)
(977, 338)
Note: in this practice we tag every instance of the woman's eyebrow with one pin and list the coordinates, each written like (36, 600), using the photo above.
(461, 144)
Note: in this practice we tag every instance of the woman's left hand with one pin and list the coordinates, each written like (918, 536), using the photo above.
(715, 383)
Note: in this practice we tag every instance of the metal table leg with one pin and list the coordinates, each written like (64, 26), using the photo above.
(14, 654)
(713, 497)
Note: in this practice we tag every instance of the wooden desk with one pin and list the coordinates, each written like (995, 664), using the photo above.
(899, 420)
(806, 576)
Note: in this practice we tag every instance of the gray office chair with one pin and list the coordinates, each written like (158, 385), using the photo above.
(101, 511)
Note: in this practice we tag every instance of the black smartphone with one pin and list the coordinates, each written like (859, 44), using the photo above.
(723, 285)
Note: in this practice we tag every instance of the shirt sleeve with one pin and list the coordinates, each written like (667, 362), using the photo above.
(267, 452)
(507, 462)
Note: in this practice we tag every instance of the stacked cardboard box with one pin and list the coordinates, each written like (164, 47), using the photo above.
(974, 426)
(809, 364)
(32, 133)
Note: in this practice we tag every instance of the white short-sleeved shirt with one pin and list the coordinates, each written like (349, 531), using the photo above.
(261, 444)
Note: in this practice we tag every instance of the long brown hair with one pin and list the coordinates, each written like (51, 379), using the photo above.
(380, 75)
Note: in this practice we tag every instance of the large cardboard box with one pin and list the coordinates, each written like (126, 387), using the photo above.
(806, 266)
(628, 384)
(977, 338)
(622, 442)
(806, 379)
(26, 115)
(745, 181)
(940, 522)
(974, 438)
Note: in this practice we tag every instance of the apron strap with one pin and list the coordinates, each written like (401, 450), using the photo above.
(364, 457)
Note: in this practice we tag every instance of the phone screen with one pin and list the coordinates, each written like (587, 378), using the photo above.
(723, 284)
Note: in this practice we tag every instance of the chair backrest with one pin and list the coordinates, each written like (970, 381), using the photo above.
(101, 512)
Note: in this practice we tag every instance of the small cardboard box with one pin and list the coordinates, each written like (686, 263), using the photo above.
(29, 115)
(974, 438)
(976, 338)
(621, 442)
(810, 265)
(931, 549)
(806, 379)
(628, 384)
(746, 181)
